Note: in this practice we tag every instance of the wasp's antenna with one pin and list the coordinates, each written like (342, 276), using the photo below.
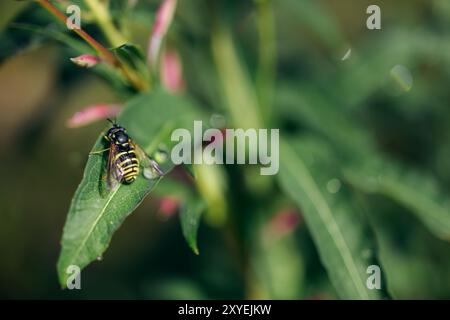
(113, 122)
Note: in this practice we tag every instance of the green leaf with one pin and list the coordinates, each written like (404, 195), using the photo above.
(338, 229)
(131, 56)
(415, 190)
(57, 35)
(190, 215)
(368, 73)
(191, 209)
(408, 251)
(10, 10)
(94, 217)
(306, 104)
(315, 17)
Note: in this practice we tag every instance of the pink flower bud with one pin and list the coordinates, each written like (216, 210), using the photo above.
(168, 206)
(285, 221)
(172, 71)
(86, 60)
(92, 114)
(163, 20)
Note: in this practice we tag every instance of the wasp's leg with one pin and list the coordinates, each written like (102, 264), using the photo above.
(99, 151)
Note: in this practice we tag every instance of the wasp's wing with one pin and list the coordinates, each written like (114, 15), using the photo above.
(151, 168)
(114, 173)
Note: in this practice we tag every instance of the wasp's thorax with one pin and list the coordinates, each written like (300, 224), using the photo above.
(117, 135)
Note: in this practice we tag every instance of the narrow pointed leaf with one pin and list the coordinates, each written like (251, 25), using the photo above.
(190, 215)
(417, 191)
(338, 229)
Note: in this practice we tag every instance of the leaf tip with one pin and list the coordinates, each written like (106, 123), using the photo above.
(92, 114)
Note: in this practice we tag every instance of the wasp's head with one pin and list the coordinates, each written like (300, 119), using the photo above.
(117, 134)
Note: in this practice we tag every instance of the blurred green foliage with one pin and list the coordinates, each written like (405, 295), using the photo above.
(364, 162)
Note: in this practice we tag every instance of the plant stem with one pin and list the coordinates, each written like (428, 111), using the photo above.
(101, 14)
(105, 54)
(238, 91)
(102, 51)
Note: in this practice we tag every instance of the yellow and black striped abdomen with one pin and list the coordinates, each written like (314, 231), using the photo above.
(128, 164)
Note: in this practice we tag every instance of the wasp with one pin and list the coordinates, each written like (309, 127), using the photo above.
(125, 158)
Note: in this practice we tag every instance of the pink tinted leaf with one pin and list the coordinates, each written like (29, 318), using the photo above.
(284, 222)
(168, 206)
(86, 60)
(163, 20)
(171, 72)
(92, 114)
